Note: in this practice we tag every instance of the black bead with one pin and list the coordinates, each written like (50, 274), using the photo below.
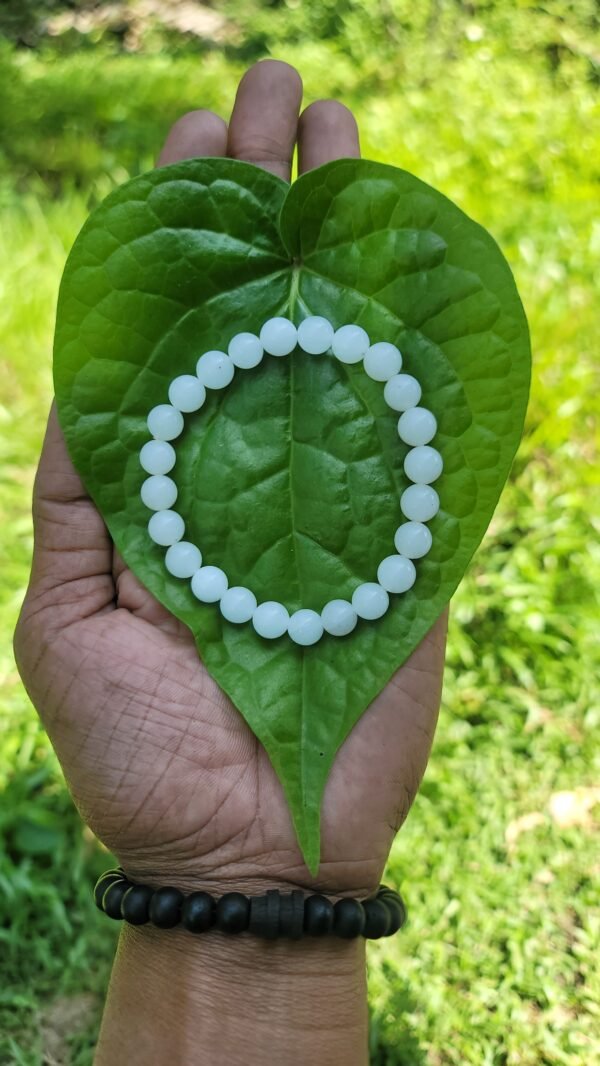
(385, 891)
(291, 914)
(391, 894)
(198, 912)
(165, 907)
(135, 904)
(103, 882)
(258, 924)
(272, 922)
(233, 913)
(349, 918)
(318, 916)
(397, 913)
(111, 900)
(396, 906)
(377, 919)
(297, 922)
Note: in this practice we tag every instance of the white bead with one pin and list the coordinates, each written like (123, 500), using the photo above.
(245, 350)
(187, 393)
(315, 335)
(157, 457)
(215, 370)
(423, 465)
(305, 627)
(419, 503)
(382, 361)
(396, 573)
(339, 618)
(165, 422)
(209, 583)
(238, 604)
(270, 619)
(183, 559)
(158, 492)
(370, 601)
(401, 392)
(279, 336)
(350, 343)
(412, 539)
(166, 527)
(417, 426)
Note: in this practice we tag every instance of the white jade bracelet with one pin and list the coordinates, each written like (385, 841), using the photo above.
(419, 502)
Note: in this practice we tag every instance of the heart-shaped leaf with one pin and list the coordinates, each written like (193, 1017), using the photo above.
(290, 478)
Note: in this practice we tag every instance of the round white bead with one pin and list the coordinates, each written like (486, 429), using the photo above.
(305, 627)
(396, 573)
(350, 343)
(166, 528)
(209, 583)
(238, 604)
(183, 559)
(401, 392)
(157, 457)
(215, 370)
(245, 350)
(270, 619)
(339, 618)
(165, 422)
(370, 601)
(279, 336)
(417, 426)
(382, 361)
(187, 393)
(419, 503)
(158, 492)
(423, 465)
(412, 539)
(315, 335)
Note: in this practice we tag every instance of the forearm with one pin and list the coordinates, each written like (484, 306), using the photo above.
(219, 1000)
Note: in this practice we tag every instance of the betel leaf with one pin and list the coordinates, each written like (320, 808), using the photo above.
(290, 478)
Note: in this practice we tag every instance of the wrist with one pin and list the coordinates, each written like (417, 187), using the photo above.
(248, 878)
(222, 999)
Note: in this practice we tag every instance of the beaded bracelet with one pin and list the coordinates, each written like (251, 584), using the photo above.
(276, 914)
(423, 464)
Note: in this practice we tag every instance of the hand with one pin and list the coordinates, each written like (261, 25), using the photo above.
(160, 763)
(165, 770)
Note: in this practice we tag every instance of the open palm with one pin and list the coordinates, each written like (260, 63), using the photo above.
(160, 763)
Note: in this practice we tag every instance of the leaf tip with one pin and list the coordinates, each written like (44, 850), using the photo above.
(309, 839)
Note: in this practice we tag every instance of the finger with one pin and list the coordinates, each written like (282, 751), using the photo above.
(71, 569)
(198, 133)
(326, 130)
(264, 119)
(134, 597)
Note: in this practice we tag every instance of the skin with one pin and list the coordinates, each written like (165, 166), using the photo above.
(162, 766)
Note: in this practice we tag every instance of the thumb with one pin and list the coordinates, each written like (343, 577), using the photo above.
(71, 576)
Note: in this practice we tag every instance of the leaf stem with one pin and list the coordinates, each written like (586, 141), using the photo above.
(294, 284)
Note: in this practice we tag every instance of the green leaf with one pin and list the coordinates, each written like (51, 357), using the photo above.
(290, 478)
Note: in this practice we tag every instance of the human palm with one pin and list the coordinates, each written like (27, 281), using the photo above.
(160, 763)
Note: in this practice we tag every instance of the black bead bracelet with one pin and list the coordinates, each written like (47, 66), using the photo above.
(276, 914)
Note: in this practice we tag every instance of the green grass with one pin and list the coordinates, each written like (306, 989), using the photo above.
(496, 965)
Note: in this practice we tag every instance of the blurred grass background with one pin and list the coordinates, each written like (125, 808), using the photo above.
(495, 102)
